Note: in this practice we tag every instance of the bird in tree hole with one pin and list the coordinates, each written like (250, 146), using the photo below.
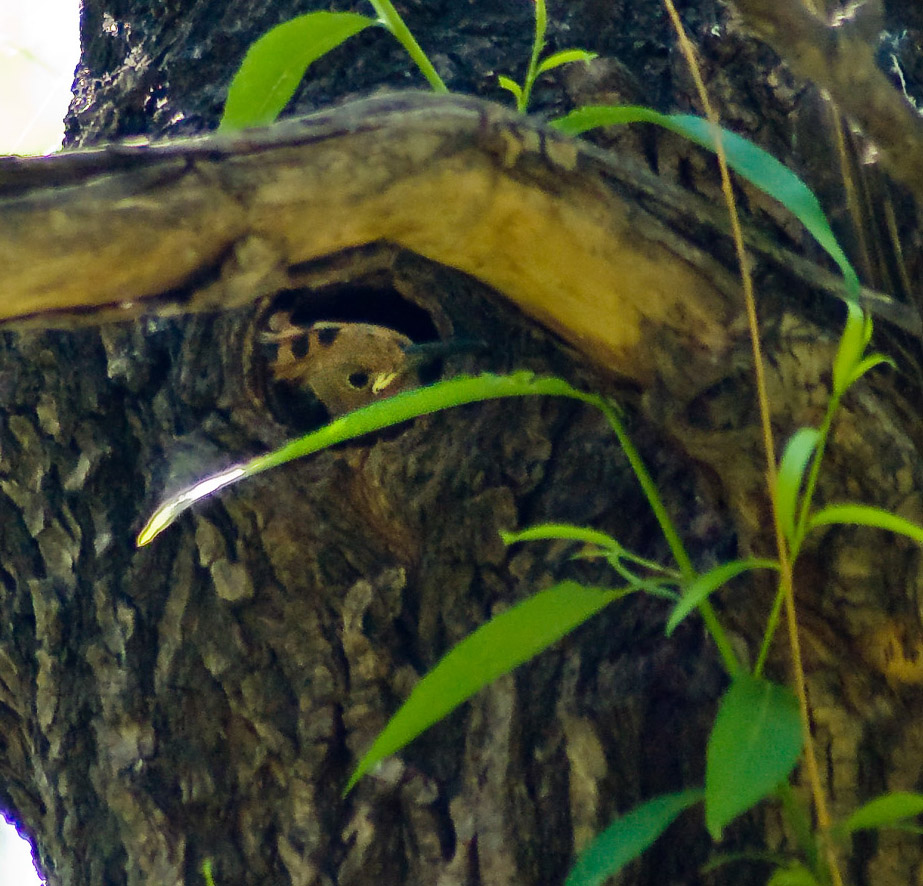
(348, 365)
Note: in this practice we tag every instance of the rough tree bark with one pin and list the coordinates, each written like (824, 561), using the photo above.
(206, 697)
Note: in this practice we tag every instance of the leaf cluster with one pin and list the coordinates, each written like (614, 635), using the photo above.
(759, 729)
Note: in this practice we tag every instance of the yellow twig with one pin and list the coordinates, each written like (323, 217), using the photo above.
(820, 802)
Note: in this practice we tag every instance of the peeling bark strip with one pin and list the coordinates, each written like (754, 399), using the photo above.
(551, 223)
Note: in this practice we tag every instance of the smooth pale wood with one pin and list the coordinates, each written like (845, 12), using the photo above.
(208, 223)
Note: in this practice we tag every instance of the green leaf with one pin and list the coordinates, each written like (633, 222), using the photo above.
(276, 63)
(495, 648)
(798, 451)
(793, 875)
(864, 366)
(754, 745)
(856, 334)
(801, 826)
(611, 549)
(884, 811)
(754, 164)
(865, 515)
(699, 590)
(510, 86)
(382, 414)
(627, 837)
(541, 22)
(562, 532)
(564, 57)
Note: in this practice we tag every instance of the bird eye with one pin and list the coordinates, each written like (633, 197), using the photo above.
(300, 347)
(358, 380)
(327, 333)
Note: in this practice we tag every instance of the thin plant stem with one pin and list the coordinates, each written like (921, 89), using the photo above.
(650, 489)
(714, 626)
(800, 530)
(390, 18)
(538, 44)
(800, 823)
(785, 562)
(771, 624)
(811, 482)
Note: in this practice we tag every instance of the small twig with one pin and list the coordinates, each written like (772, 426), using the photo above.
(785, 563)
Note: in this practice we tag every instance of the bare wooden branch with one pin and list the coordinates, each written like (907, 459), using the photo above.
(456, 180)
(552, 223)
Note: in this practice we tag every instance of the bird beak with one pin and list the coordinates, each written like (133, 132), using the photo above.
(382, 380)
(423, 352)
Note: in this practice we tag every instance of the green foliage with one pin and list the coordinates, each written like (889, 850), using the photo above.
(794, 874)
(754, 745)
(850, 363)
(276, 64)
(748, 160)
(797, 455)
(494, 649)
(207, 872)
(698, 590)
(865, 515)
(627, 837)
(382, 414)
(605, 546)
(538, 65)
(390, 18)
(757, 736)
(888, 810)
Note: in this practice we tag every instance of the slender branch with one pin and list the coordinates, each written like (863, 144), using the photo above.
(785, 559)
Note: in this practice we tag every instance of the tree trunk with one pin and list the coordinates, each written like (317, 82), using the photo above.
(207, 696)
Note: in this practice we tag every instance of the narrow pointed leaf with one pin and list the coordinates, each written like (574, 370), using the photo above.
(494, 649)
(798, 451)
(710, 581)
(447, 394)
(866, 515)
(510, 86)
(793, 875)
(541, 21)
(275, 65)
(564, 57)
(866, 365)
(754, 745)
(207, 872)
(627, 837)
(852, 344)
(622, 560)
(563, 532)
(748, 160)
(884, 811)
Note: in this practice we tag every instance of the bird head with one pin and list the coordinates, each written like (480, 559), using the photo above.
(348, 365)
